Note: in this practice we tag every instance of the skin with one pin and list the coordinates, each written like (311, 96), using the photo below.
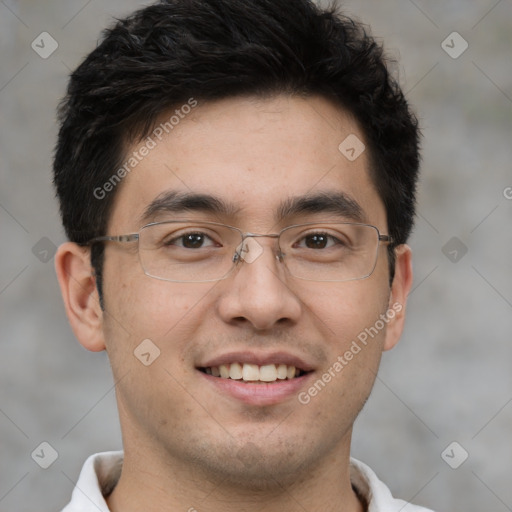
(187, 445)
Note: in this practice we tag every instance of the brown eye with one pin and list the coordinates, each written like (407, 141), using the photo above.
(193, 240)
(316, 241)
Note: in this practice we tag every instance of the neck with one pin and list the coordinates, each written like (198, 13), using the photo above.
(151, 482)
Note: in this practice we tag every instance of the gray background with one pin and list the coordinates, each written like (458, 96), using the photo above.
(448, 380)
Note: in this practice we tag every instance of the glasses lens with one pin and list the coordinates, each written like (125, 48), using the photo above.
(188, 251)
(330, 252)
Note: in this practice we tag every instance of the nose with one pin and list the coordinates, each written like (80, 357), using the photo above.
(257, 293)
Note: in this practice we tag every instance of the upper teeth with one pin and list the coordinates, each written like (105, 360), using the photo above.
(253, 372)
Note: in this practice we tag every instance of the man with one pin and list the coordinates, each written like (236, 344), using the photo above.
(237, 181)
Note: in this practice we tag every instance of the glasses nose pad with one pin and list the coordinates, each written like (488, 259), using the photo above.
(249, 251)
(238, 254)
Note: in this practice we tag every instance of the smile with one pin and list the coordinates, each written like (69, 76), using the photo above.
(254, 373)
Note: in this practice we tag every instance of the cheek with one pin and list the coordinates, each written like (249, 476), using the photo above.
(148, 326)
(144, 305)
(138, 307)
(348, 315)
(343, 310)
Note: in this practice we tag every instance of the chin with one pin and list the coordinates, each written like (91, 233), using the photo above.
(258, 467)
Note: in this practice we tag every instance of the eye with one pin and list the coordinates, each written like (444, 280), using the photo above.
(192, 240)
(318, 241)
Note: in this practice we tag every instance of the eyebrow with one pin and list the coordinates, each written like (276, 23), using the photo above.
(179, 202)
(338, 203)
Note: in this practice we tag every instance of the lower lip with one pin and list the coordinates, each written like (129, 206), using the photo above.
(259, 394)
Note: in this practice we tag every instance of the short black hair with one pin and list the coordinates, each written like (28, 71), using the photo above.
(167, 53)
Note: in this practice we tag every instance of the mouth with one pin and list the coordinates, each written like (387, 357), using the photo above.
(253, 373)
(255, 378)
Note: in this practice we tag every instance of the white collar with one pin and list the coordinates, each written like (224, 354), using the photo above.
(101, 473)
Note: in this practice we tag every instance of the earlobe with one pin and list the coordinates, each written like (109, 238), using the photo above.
(400, 288)
(81, 301)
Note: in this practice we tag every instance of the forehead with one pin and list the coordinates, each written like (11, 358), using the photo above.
(256, 158)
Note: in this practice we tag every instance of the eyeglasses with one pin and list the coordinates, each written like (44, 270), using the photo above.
(190, 251)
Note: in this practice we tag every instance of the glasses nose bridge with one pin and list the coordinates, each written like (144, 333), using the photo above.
(260, 235)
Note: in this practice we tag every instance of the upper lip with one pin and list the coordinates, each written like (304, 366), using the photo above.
(260, 359)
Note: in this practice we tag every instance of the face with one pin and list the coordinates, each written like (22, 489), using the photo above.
(253, 155)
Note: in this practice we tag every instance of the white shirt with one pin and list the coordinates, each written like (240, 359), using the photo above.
(101, 473)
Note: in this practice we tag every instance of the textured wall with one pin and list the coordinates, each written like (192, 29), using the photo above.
(448, 380)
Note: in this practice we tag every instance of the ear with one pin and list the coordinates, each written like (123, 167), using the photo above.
(81, 300)
(400, 288)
